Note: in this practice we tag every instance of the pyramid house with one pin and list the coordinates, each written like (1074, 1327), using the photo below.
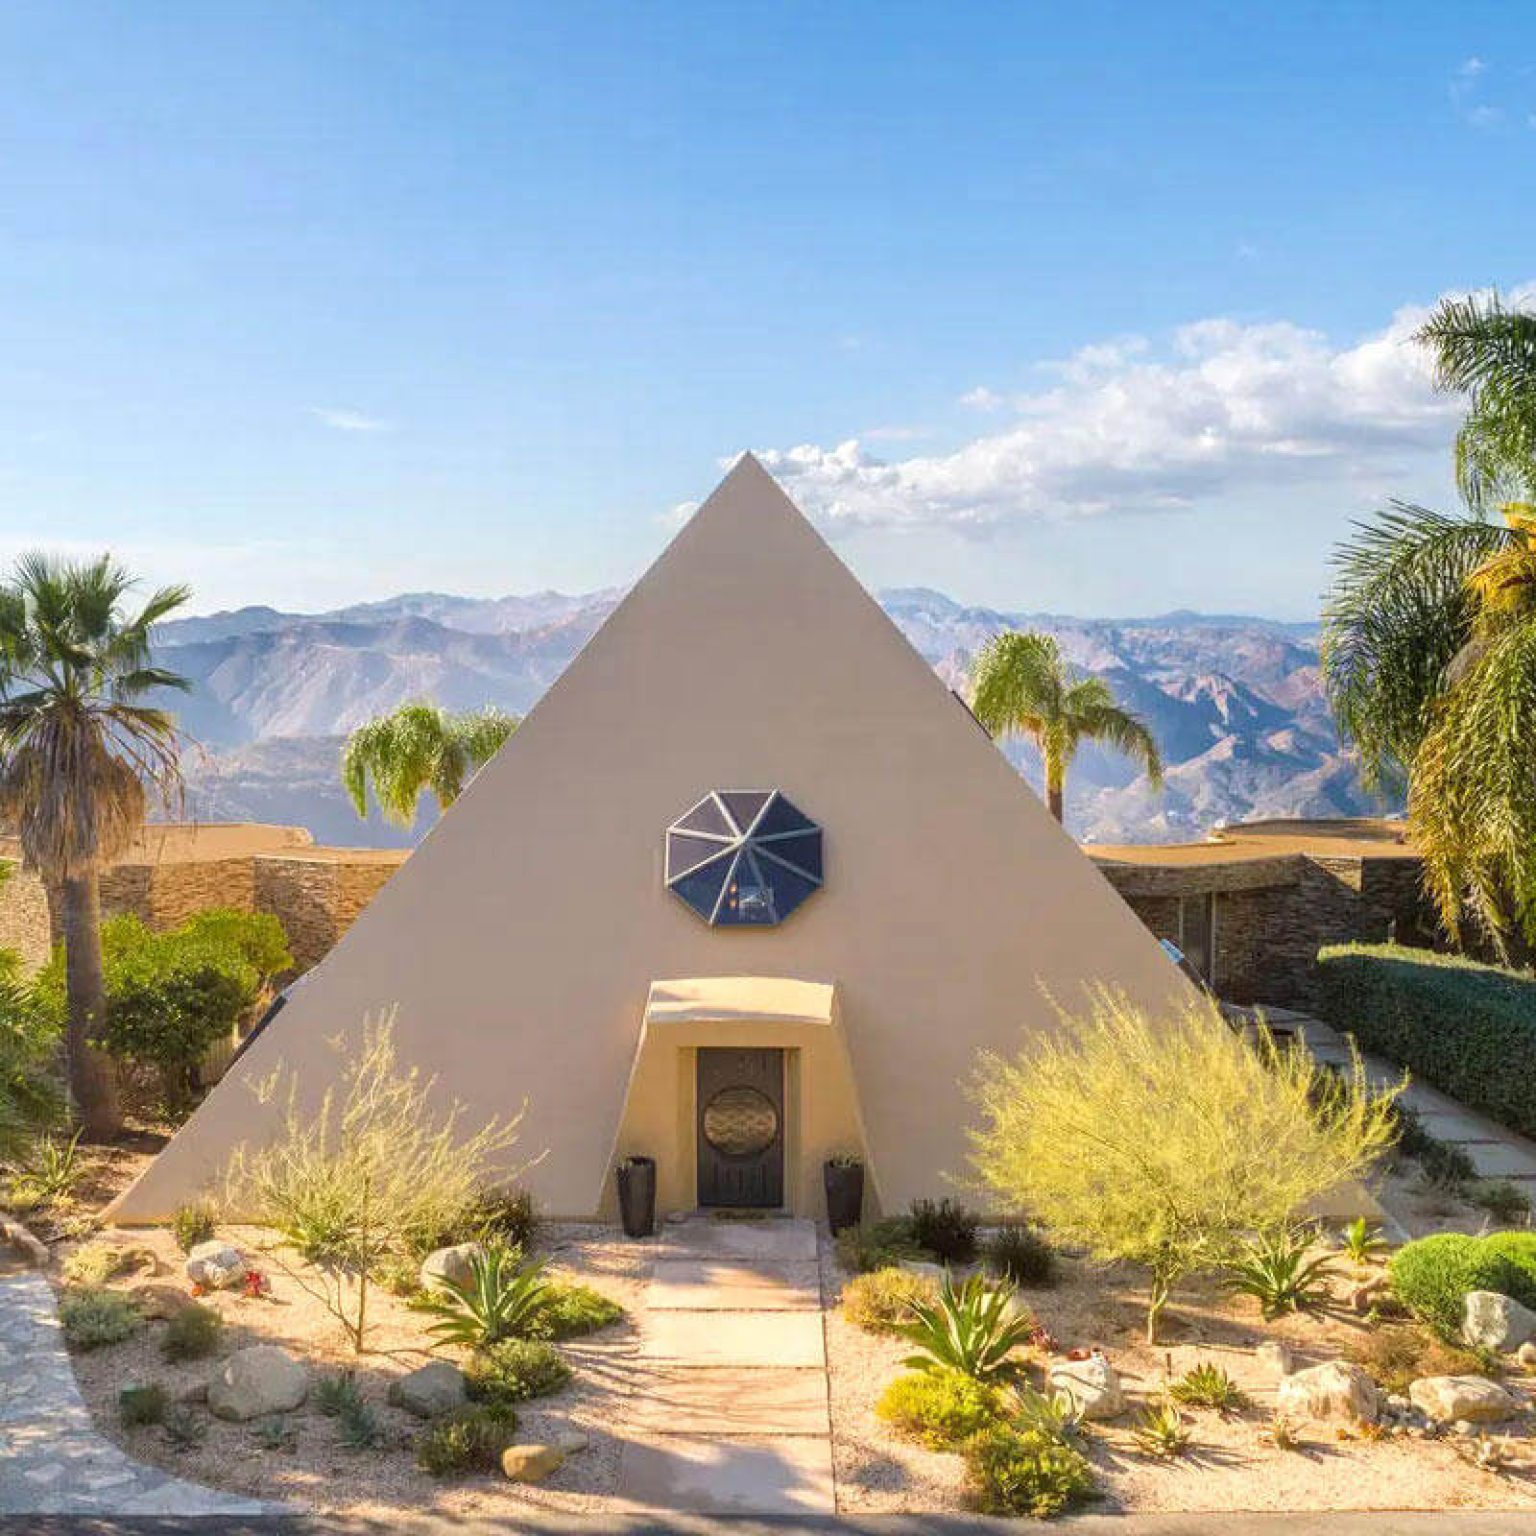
(748, 888)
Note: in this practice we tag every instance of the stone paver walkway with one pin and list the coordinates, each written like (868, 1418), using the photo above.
(730, 1414)
(52, 1462)
(1496, 1153)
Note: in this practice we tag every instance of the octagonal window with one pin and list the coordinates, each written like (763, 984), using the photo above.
(744, 858)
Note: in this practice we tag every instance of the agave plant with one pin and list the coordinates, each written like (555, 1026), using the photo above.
(972, 1329)
(503, 1298)
(1277, 1273)
(1361, 1241)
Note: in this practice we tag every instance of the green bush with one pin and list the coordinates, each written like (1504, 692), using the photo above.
(1022, 1255)
(92, 1318)
(470, 1440)
(1432, 1276)
(944, 1228)
(170, 996)
(880, 1245)
(881, 1300)
(139, 1405)
(1025, 1472)
(193, 1223)
(31, 1100)
(570, 1311)
(940, 1408)
(193, 1334)
(1467, 1028)
(515, 1370)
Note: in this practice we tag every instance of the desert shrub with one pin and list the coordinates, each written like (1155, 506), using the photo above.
(170, 996)
(357, 1425)
(93, 1264)
(1400, 1353)
(877, 1245)
(185, 1428)
(503, 1298)
(193, 1223)
(515, 1370)
(1277, 1273)
(470, 1440)
(138, 1405)
(1015, 1471)
(360, 1179)
(31, 1099)
(92, 1318)
(570, 1311)
(1167, 1140)
(1501, 1199)
(194, 1333)
(940, 1408)
(1022, 1255)
(47, 1174)
(1432, 1276)
(881, 1300)
(1208, 1385)
(1467, 1028)
(944, 1228)
(1159, 1430)
(972, 1328)
(509, 1216)
(337, 1394)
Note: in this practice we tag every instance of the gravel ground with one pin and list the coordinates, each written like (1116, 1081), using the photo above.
(316, 1471)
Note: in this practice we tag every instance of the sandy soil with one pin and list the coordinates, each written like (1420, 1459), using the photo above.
(316, 1470)
(1229, 1467)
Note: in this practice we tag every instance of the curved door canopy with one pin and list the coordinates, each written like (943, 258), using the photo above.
(744, 857)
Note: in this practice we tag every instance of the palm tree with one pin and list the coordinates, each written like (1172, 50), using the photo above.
(1022, 683)
(79, 756)
(1429, 637)
(419, 747)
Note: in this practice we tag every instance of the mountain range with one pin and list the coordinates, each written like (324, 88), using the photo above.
(1234, 702)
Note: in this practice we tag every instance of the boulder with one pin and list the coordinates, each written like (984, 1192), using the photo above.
(1091, 1386)
(1473, 1398)
(159, 1302)
(1367, 1294)
(255, 1382)
(570, 1442)
(450, 1266)
(1526, 1355)
(1491, 1320)
(432, 1389)
(215, 1266)
(531, 1463)
(1276, 1356)
(1335, 1389)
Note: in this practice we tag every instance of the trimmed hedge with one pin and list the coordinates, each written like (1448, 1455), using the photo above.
(1432, 1276)
(1466, 1028)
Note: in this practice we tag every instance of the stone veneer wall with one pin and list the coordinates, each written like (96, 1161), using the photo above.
(24, 922)
(316, 900)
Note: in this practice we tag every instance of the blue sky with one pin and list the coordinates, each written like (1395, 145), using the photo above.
(1091, 308)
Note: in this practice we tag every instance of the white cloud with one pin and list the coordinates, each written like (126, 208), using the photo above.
(349, 421)
(1217, 409)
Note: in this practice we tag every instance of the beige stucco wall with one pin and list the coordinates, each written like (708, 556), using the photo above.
(519, 942)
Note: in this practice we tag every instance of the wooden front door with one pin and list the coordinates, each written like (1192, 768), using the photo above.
(741, 1127)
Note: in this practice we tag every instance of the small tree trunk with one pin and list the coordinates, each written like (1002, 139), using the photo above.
(1162, 1284)
(1055, 784)
(92, 1073)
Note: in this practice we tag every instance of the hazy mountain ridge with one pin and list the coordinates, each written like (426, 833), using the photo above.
(1234, 701)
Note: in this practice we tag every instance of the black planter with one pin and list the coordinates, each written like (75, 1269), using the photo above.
(637, 1195)
(845, 1194)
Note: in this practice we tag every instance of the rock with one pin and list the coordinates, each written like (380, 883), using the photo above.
(1526, 1355)
(430, 1390)
(158, 1301)
(571, 1442)
(257, 1381)
(1091, 1386)
(214, 1265)
(16, 1237)
(1494, 1321)
(196, 1393)
(1463, 1427)
(1398, 1404)
(531, 1463)
(1474, 1398)
(1276, 1356)
(1334, 1389)
(450, 1266)
(1367, 1294)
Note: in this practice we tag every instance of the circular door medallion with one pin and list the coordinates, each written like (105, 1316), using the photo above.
(740, 1122)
